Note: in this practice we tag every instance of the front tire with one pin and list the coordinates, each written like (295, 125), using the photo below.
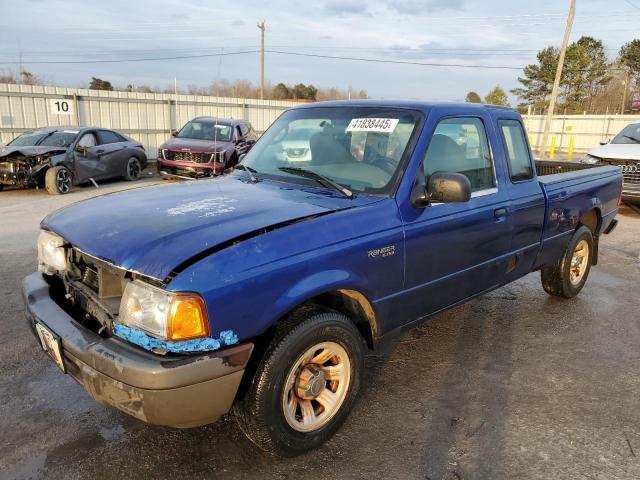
(57, 180)
(133, 169)
(304, 386)
(567, 276)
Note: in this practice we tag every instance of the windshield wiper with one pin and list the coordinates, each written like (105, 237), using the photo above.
(318, 178)
(252, 172)
(637, 140)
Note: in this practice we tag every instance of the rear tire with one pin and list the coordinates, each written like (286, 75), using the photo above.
(133, 169)
(57, 180)
(567, 276)
(304, 385)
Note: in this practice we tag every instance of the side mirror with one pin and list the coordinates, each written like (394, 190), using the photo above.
(442, 187)
(446, 187)
(604, 142)
(82, 150)
(174, 132)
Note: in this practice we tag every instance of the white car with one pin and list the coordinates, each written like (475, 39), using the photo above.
(624, 151)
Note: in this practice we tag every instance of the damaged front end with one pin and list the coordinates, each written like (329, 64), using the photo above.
(102, 298)
(26, 167)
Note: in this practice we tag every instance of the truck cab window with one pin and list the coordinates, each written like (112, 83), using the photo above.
(460, 145)
(517, 151)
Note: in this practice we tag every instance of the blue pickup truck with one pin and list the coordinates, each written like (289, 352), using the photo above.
(260, 291)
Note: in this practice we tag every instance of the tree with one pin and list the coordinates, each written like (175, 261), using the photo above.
(630, 58)
(473, 97)
(584, 76)
(537, 81)
(281, 92)
(99, 84)
(497, 96)
(21, 78)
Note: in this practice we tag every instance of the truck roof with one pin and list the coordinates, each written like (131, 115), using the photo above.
(413, 104)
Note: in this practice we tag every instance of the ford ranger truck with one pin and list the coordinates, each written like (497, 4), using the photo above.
(260, 291)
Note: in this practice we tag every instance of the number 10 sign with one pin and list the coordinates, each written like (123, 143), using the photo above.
(60, 106)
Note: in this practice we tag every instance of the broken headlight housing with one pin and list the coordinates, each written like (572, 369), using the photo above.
(589, 159)
(52, 256)
(162, 314)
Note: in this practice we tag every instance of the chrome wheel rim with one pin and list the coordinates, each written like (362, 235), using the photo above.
(134, 168)
(316, 386)
(579, 262)
(63, 181)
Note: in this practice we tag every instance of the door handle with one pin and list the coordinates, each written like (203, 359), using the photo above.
(500, 212)
(100, 151)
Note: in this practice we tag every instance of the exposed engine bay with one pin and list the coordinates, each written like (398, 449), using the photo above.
(25, 167)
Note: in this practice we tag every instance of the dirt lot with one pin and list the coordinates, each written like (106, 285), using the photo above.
(512, 385)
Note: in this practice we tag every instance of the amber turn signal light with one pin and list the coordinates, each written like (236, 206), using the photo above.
(187, 318)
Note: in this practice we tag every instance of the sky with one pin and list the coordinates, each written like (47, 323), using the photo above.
(478, 34)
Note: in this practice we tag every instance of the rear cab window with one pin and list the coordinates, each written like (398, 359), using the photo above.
(460, 145)
(517, 150)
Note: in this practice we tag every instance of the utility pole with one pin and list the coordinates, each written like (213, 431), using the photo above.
(262, 28)
(625, 87)
(556, 83)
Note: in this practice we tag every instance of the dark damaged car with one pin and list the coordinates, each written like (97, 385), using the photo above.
(57, 158)
(205, 147)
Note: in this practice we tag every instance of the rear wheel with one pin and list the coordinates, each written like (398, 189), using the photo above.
(567, 276)
(57, 180)
(304, 386)
(133, 169)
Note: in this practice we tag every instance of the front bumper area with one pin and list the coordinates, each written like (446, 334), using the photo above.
(189, 169)
(177, 391)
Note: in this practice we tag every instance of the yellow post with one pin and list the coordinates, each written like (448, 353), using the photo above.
(530, 139)
(552, 151)
(572, 139)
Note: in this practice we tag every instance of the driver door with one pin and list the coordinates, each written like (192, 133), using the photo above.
(457, 250)
(86, 157)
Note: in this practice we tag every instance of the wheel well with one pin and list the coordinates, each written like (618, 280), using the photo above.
(591, 220)
(357, 307)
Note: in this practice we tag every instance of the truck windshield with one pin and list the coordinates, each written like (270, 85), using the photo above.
(202, 130)
(629, 134)
(360, 148)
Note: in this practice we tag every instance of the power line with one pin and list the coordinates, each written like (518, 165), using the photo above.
(628, 2)
(124, 60)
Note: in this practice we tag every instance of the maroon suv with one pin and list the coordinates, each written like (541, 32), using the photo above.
(204, 147)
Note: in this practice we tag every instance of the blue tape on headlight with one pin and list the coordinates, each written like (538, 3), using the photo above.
(138, 337)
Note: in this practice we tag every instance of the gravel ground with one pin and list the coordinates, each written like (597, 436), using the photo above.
(514, 384)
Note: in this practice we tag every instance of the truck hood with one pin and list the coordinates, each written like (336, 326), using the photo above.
(29, 151)
(153, 230)
(617, 151)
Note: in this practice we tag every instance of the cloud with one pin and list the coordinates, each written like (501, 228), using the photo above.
(418, 7)
(345, 7)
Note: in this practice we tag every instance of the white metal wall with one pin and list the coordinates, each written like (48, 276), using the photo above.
(149, 117)
(587, 130)
(146, 117)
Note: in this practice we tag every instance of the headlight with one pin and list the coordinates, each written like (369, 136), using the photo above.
(163, 152)
(52, 256)
(591, 160)
(162, 314)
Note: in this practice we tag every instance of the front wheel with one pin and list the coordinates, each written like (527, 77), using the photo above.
(567, 276)
(304, 386)
(133, 169)
(57, 180)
